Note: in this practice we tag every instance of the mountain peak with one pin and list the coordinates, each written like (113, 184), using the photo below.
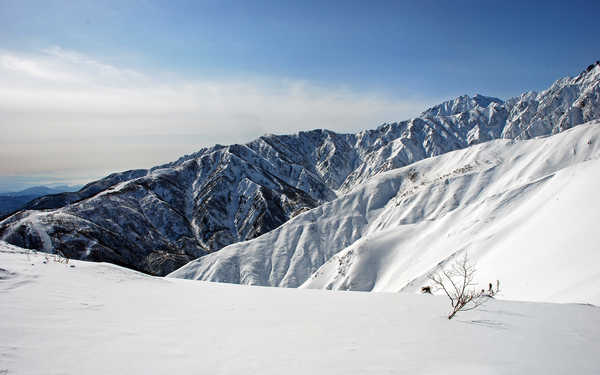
(485, 101)
(591, 73)
(592, 66)
(460, 104)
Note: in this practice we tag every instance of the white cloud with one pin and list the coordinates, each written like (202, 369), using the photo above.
(65, 112)
(12, 64)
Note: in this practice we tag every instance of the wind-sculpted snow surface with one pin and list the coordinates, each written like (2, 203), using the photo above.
(525, 211)
(156, 220)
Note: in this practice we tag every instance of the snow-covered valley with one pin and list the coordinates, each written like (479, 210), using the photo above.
(98, 318)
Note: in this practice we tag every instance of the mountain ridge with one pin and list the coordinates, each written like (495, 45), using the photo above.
(522, 210)
(13, 201)
(158, 219)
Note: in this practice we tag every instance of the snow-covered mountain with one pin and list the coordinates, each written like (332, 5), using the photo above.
(156, 220)
(525, 211)
(461, 104)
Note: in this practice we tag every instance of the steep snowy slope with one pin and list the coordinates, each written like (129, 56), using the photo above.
(529, 221)
(97, 318)
(157, 220)
(525, 211)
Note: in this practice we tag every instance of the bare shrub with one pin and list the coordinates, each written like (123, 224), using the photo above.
(457, 283)
(57, 258)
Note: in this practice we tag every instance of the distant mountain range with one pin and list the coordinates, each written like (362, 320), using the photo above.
(17, 200)
(159, 219)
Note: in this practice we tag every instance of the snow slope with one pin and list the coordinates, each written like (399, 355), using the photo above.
(97, 318)
(525, 211)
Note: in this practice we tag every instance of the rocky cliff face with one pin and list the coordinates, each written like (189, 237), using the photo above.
(157, 220)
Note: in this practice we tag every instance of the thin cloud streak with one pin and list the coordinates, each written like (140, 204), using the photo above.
(65, 112)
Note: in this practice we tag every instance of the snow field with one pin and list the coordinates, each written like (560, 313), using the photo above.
(97, 318)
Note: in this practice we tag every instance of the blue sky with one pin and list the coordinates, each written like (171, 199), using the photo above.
(94, 77)
(398, 46)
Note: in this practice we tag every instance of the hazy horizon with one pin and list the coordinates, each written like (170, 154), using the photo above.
(89, 89)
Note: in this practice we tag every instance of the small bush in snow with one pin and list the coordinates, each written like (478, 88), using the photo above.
(457, 283)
